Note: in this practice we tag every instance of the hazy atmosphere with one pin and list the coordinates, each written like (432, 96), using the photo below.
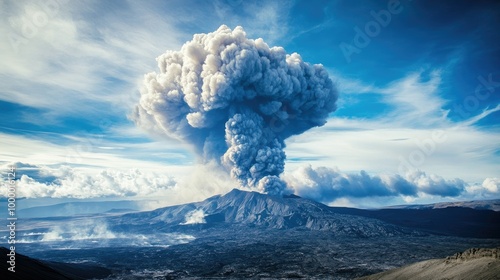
(385, 103)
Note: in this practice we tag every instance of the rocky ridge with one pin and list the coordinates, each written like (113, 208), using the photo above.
(474, 263)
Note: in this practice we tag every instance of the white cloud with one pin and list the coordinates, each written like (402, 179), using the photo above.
(66, 181)
(492, 184)
(195, 217)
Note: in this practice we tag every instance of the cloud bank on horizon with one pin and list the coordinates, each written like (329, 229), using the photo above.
(236, 100)
(328, 184)
(323, 184)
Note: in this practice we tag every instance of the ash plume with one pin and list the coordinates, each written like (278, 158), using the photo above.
(235, 100)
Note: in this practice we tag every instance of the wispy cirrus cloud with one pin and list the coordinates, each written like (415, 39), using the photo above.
(392, 136)
(81, 57)
(94, 152)
(416, 100)
(265, 19)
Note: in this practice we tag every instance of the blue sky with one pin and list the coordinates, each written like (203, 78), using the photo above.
(419, 97)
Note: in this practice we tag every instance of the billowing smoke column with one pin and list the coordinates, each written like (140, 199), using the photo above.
(236, 100)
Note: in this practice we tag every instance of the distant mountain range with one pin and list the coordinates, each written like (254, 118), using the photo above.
(475, 204)
(79, 208)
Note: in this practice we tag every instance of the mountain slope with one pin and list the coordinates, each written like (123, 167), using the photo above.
(27, 268)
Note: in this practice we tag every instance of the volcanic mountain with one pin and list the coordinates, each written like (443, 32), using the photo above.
(257, 210)
(253, 209)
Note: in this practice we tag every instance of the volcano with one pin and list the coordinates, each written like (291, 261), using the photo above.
(261, 211)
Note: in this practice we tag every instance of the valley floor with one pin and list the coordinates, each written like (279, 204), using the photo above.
(242, 252)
